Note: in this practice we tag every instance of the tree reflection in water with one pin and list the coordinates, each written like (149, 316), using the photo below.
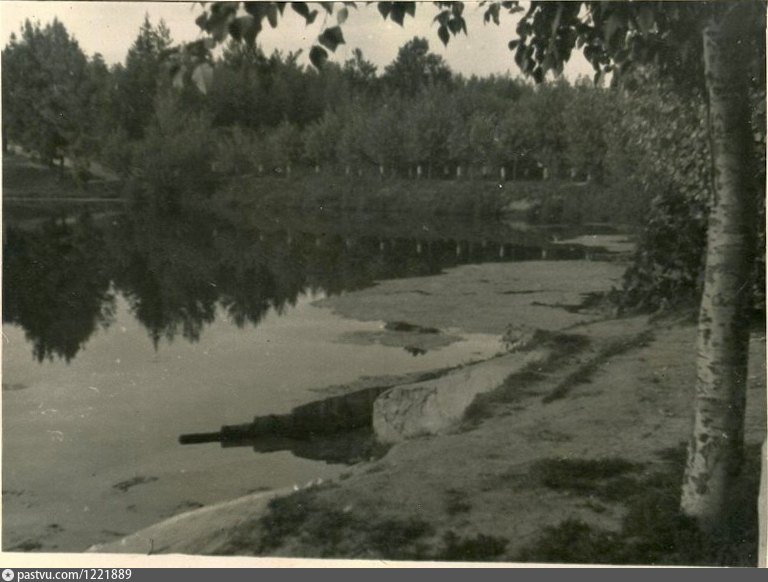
(56, 285)
(180, 272)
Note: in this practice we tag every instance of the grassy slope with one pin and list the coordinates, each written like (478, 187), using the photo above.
(592, 476)
(25, 178)
(547, 201)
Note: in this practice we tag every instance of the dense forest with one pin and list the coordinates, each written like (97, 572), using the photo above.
(176, 140)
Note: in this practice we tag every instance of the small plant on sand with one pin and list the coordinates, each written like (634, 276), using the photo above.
(521, 384)
(322, 529)
(653, 531)
(456, 502)
(600, 478)
(481, 548)
(573, 542)
(584, 373)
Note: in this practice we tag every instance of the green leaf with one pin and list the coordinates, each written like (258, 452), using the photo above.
(299, 8)
(272, 15)
(442, 18)
(397, 13)
(218, 21)
(520, 59)
(331, 38)
(384, 9)
(444, 35)
(318, 56)
(492, 13)
(302, 10)
(250, 33)
(243, 28)
(342, 15)
(255, 9)
(454, 25)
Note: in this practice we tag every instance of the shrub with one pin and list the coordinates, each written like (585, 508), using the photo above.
(173, 162)
(239, 151)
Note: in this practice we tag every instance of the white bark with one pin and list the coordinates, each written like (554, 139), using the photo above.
(715, 450)
(763, 509)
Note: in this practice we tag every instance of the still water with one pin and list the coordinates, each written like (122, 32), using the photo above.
(124, 329)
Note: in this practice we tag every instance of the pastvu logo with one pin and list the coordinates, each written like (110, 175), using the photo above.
(8, 575)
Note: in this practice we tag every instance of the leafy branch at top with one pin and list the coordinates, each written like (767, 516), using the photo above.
(244, 21)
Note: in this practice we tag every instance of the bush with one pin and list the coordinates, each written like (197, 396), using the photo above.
(238, 151)
(661, 150)
(173, 162)
(117, 152)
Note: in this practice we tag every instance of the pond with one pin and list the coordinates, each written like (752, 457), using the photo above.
(124, 329)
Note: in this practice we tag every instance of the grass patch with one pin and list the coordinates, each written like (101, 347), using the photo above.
(585, 372)
(654, 532)
(456, 502)
(480, 548)
(604, 479)
(519, 384)
(324, 530)
(573, 542)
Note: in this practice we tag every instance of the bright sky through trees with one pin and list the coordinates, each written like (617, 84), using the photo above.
(109, 28)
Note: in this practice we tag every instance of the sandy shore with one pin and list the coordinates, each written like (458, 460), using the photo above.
(484, 490)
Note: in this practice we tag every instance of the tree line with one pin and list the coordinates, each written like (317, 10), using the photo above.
(269, 114)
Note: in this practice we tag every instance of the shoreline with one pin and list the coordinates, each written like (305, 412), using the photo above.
(620, 407)
(427, 490)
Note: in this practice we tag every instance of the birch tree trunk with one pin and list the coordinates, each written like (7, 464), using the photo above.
(715, 450)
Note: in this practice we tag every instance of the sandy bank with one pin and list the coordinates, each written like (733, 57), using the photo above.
(490, 488)
(485, 298)
(483, 480)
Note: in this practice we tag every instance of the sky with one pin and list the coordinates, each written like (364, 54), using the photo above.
(110, 28)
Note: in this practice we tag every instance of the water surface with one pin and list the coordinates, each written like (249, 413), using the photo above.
(124, 329)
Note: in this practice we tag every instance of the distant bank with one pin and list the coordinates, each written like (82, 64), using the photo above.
(539, 201)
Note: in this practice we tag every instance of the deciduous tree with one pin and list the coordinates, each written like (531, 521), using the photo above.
(46, 90)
